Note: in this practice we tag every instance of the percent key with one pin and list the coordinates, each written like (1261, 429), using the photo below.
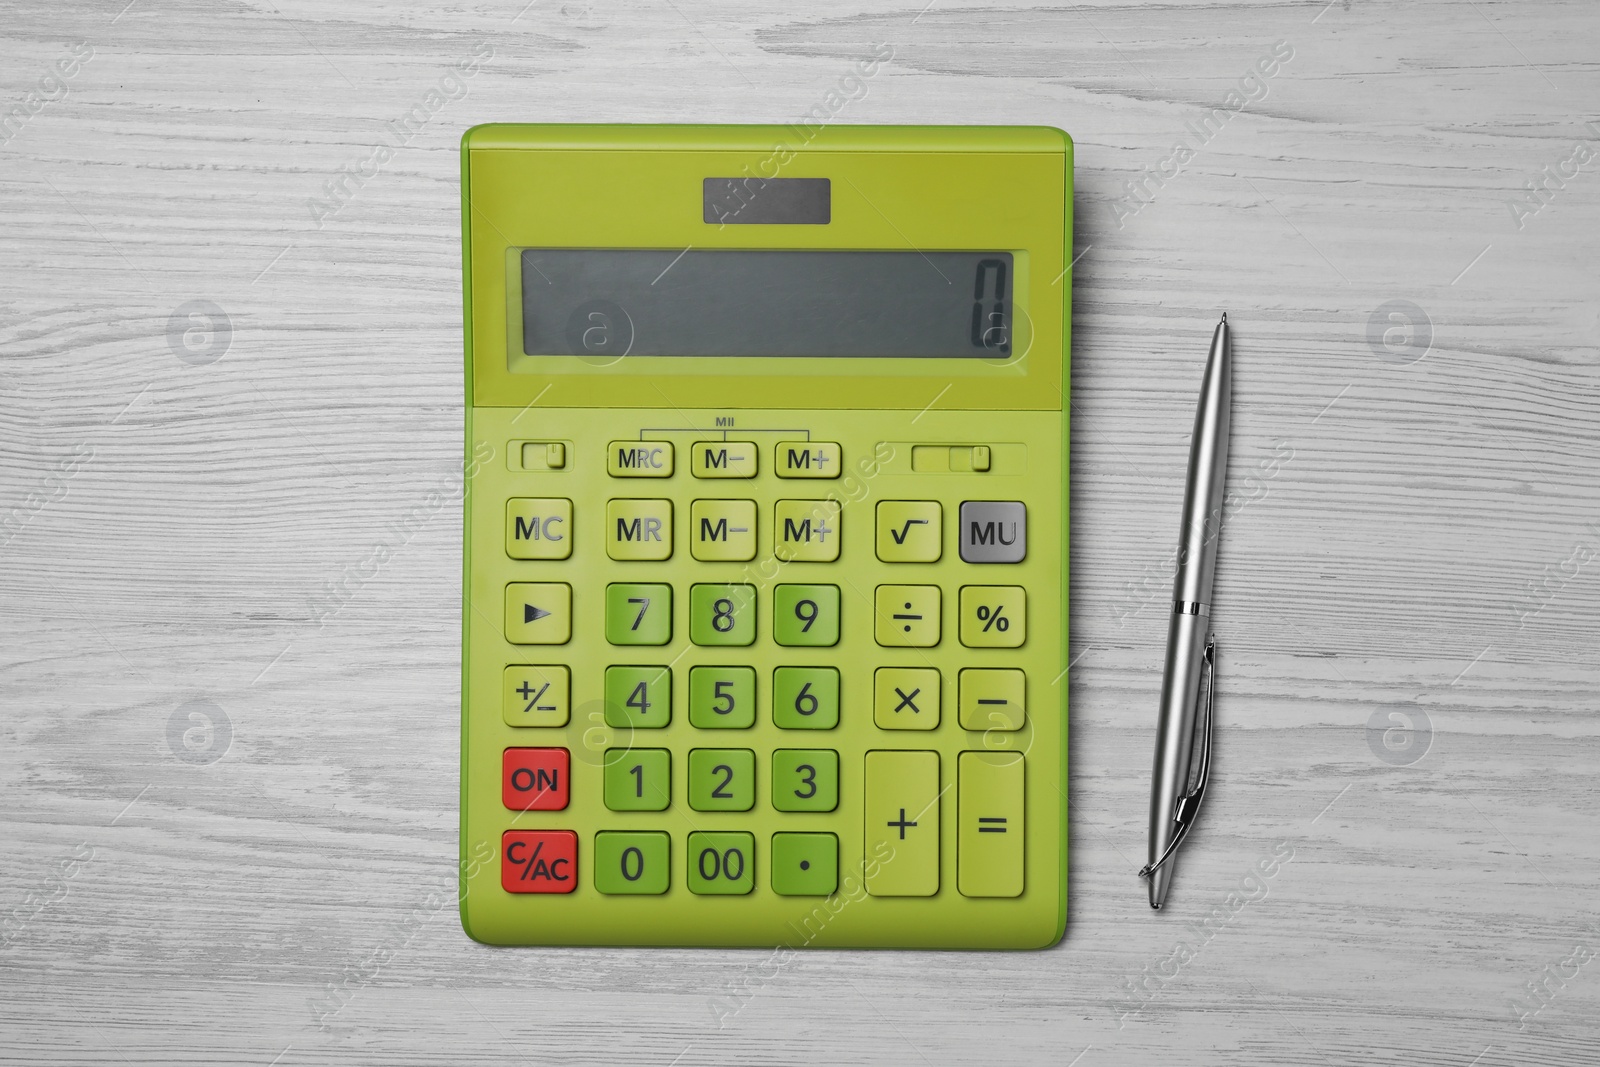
(994, 616)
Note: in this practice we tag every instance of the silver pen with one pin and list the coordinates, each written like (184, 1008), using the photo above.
(1180, 773)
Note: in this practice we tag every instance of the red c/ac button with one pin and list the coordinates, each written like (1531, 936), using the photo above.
(539, 861)
(535, 779)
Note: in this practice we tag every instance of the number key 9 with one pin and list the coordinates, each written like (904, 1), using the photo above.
(806, 615)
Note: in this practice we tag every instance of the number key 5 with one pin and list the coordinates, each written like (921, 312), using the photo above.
(722, 698)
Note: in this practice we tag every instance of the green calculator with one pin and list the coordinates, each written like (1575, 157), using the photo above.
(764, 633)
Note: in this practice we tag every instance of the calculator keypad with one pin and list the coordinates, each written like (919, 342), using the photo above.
(748, 650)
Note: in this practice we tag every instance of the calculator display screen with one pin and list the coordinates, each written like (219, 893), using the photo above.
(672, 302)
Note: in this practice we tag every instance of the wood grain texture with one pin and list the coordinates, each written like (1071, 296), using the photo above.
(1419, 543)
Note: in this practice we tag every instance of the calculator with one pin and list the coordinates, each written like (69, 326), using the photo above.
(764, 625)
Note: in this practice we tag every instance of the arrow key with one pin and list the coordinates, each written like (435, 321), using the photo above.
(538, 613)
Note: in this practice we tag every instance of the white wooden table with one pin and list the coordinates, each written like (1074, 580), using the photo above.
(229, 818)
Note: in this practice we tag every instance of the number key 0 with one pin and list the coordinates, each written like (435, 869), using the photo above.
(636, 861)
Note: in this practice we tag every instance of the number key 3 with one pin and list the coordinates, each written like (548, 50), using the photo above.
(805, 779)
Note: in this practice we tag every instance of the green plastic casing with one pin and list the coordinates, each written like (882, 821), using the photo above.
(892, 188)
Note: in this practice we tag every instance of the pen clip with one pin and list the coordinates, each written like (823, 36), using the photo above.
(1188, 806)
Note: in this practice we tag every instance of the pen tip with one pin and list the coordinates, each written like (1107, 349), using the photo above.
(1156, 907)
(1224, 316)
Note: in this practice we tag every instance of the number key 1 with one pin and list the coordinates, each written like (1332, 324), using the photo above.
(638, 779)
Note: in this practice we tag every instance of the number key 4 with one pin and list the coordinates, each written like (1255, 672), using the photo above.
(639, 697)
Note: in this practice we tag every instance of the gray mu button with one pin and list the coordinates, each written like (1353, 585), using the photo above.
(994, 531)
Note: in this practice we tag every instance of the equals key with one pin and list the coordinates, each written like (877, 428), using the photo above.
(990, 848)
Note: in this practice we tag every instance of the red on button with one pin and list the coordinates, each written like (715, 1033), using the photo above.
(539, 861)
(535, 779)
